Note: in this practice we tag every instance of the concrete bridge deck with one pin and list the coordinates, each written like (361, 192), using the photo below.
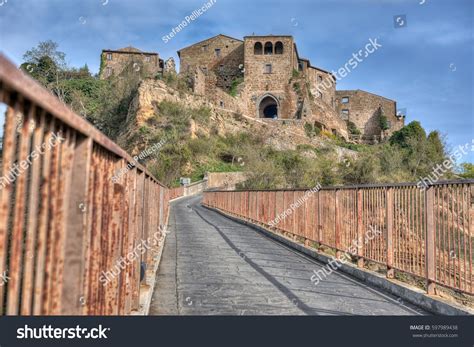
(214, 266)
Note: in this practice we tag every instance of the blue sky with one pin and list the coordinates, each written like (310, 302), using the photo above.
(426, 66)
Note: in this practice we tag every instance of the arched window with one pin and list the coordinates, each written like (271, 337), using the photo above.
(279, 47)
(268, 49)
(257, 49)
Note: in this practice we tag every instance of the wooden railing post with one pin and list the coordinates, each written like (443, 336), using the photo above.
(430, 241)
(360, 233)
(389, 222)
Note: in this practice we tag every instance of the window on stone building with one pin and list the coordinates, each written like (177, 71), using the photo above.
(257, 48)
(109, 56)
(218, 52)
(204, 48)
(279, 47)
(221, 103)
(268, 68)
(268, 48)
(300, 66)
(108, 71)
(345, 114)
(147, 59)
(320, 78)
(204, 69)
(345, 100)
(221, 68)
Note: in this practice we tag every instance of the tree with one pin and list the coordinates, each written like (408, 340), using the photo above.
(46, 49)
(467, 170)
(402, 137)
(47, 65)
(436, 152)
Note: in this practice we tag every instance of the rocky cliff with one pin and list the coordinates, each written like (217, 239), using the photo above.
(280, 134)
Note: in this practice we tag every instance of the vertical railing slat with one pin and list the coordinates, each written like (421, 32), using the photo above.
(33, 207)
(19, 210)
(430, 241)
(389, 221)
(77, 230)
(8, 154)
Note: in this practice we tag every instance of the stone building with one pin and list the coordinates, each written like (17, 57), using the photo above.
(114, 61)
(206, 54)
(264, 77)
(365, 110)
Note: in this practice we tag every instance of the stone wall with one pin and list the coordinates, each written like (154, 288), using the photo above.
(114, 61)
(204, 55)
(325, 118)
(226, 180)
(195, 188)
(224, 100)
(199, 82)
(230, 68)
(322, 86)
(363, 111)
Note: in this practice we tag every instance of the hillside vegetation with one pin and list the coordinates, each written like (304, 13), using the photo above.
(194, 146)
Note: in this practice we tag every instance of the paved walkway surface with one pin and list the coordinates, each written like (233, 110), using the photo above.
(212, 265)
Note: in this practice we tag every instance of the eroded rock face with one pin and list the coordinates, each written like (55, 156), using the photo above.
(280, 134)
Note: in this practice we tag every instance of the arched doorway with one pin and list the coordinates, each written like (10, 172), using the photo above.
(268, 107)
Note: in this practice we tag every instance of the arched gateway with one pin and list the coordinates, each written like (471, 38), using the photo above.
(268, 107)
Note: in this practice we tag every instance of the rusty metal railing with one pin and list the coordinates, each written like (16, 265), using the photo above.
(423, 232)
(73, 238)
(176, 192)
(190, 189)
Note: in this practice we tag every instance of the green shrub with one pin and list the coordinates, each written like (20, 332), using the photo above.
(235, 83)
(413, 131)
(311, 130)
(297, 87)
(352, 128)
(383, 123)
(308, 129)
(467, 170)
(201, 115)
